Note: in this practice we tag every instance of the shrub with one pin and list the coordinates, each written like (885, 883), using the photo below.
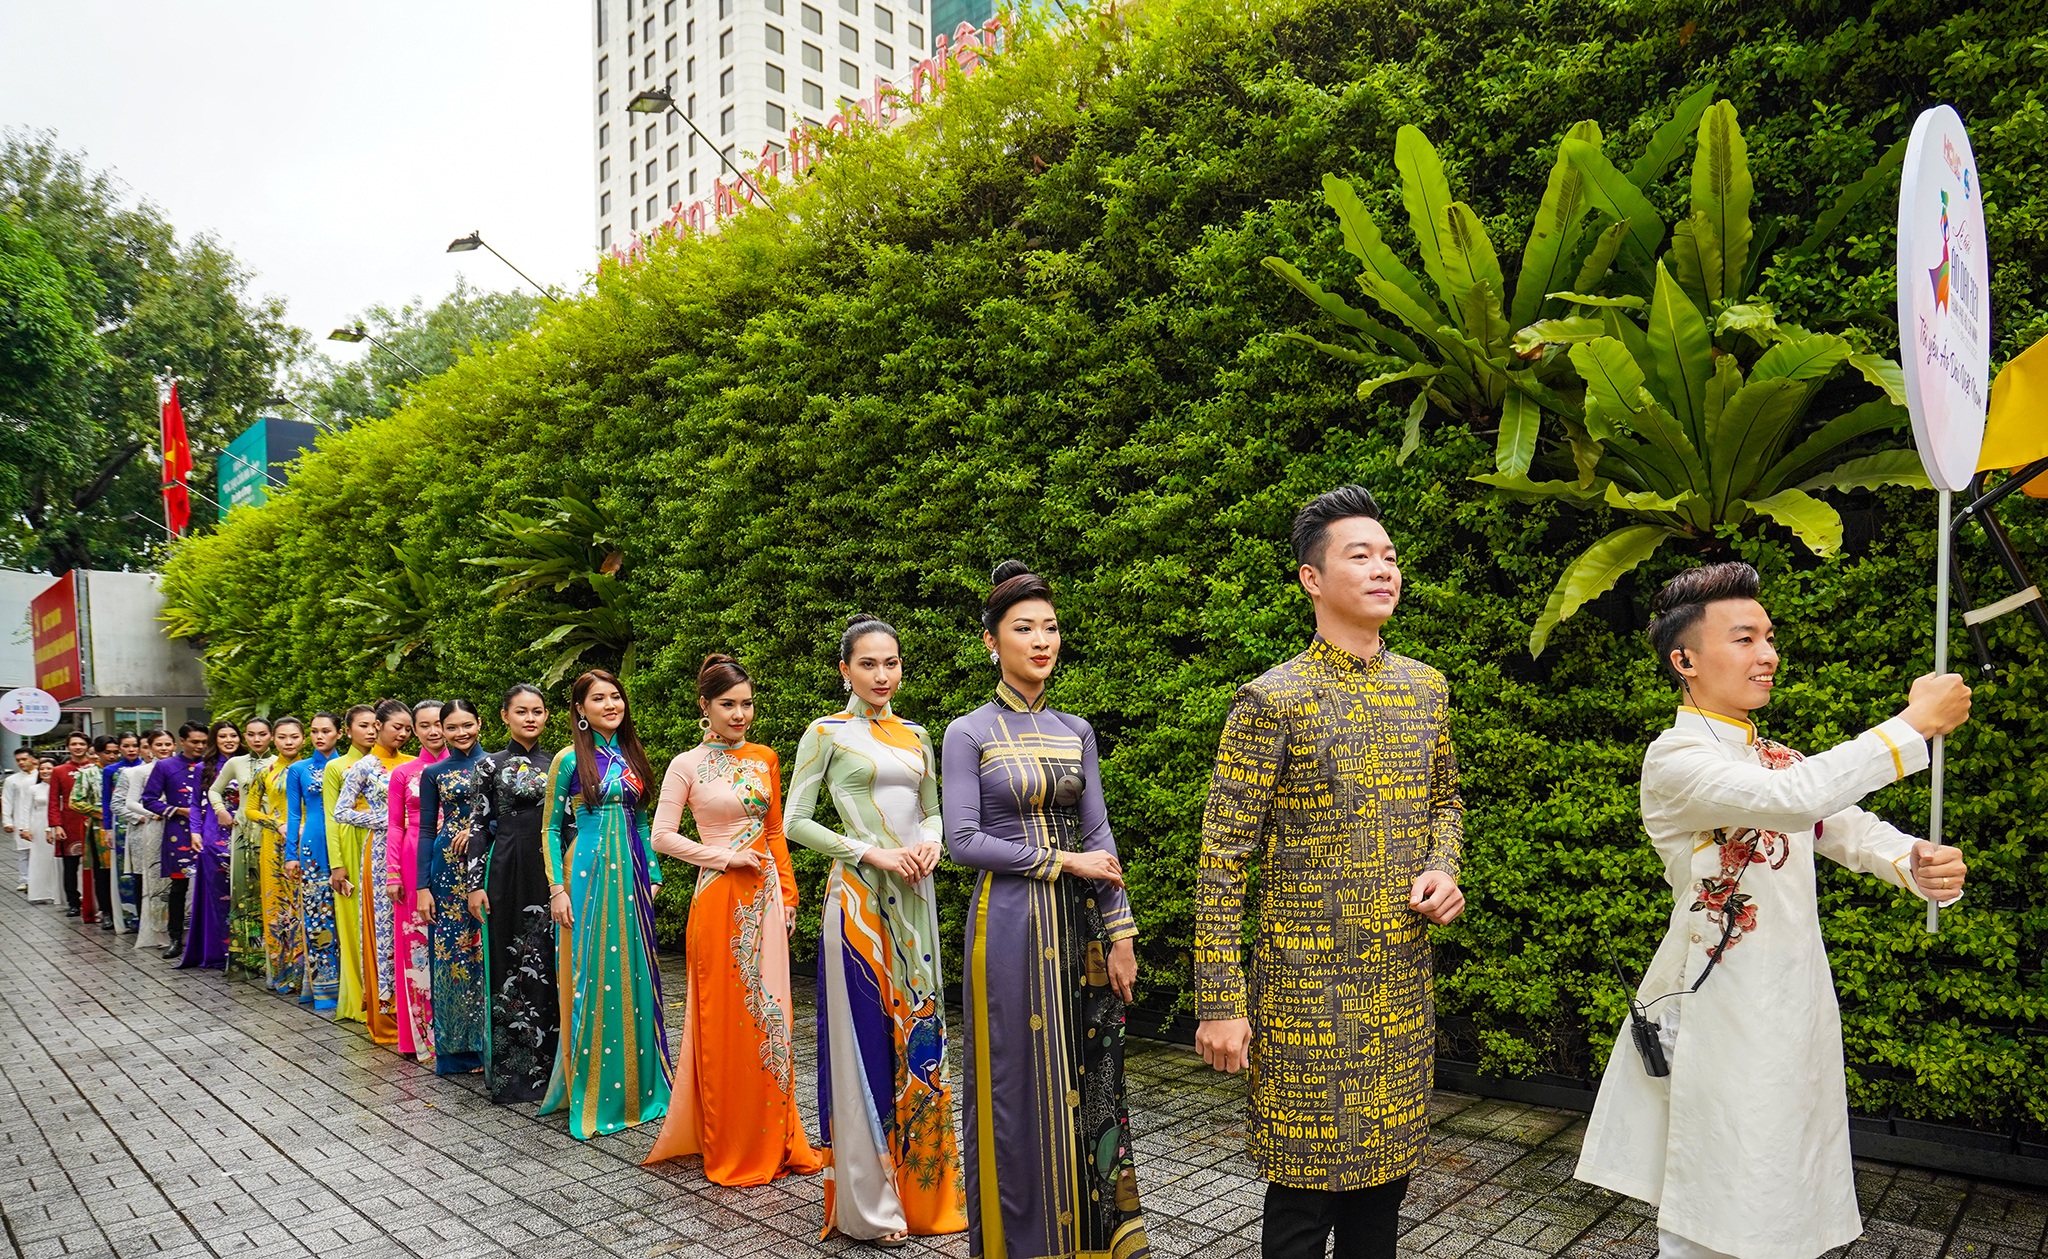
(1034, 322)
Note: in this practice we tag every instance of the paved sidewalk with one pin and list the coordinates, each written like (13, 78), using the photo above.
(146, 1110)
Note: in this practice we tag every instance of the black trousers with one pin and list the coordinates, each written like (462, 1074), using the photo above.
(1299, 1222)
(177, 908)
(71, 893)
(102, 884)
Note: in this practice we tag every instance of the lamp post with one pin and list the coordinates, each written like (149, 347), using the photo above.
(280, 400)
(360, 333)
(654, 100)
(475, 240)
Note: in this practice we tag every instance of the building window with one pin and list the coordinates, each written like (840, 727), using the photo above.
(691, 146)
(647, 28)
(691, 108)
(604, 33)
(773, 34)
(633, 148)
(650, 137)
(604, 170)
(604, 102)
(849, 74)
(813, 20)
(668, 47)
(675, 153)
(604, 237)
(604, 68)
(690, 31)
(777, 120)
(668, 13)
(814, 96)
(669, 85)
(917, 37)
(724, 9)
(632, 77)
(633, 218)
(851, 6)
(775, 83)
(631, 43)
(647, 67)
(725, 43)
(693, 183)
(690, 70)
(774, 6)
(653, 211)
(917, 6)
(633, 184)
(725, 121)
(849, 37)
(652, 166)
(604, 134)
(604, 203)
(884, 20)
(675, 193)
(671, 116)
(885, 55)
(725, 82)
(814, 57)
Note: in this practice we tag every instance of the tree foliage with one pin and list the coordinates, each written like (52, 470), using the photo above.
(1035, 321)
(153, 307)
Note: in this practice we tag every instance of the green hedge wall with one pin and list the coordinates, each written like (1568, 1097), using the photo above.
(1033, 323)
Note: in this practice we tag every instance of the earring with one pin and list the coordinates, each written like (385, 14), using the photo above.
(581, 724)
(846, 684)
(704, 724)
(995, 659)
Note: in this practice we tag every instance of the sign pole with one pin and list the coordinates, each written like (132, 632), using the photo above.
(1942, 560)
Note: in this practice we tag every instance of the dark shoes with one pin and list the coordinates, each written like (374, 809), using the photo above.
(174, 949)
(72, 913)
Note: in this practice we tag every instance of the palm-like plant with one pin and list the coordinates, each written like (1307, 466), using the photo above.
(1697, 409)
(570, 549)
(1459, 342)
(398, 604)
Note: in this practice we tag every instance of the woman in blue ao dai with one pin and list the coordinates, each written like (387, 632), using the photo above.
(451, 805)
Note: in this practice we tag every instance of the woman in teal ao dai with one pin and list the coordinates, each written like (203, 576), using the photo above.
(1050, 959)
(884, 1097)
(612, 1066)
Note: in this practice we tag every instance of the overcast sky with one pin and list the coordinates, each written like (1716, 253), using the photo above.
(336, 148)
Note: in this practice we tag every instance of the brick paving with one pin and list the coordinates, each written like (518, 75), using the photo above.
(150, 1111)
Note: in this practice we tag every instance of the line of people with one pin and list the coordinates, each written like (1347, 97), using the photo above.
(494, 911)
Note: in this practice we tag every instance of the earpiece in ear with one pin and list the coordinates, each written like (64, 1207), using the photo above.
(1684, 659)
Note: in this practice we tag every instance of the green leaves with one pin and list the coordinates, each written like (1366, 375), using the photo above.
(1722, 192)
(1612, 194)
(1560, 221)
(1593, 574)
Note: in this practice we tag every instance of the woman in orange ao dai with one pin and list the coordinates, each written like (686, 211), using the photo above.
(734, 1100)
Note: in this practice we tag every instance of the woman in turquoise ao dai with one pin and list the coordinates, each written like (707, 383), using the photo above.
(612, 1066)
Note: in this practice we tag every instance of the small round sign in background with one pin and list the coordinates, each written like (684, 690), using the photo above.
(1944, 298)
(29, 711)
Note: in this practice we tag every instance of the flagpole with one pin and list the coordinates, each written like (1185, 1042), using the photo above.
(1941, 563)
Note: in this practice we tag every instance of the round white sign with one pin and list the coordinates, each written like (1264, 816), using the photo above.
(27, 710)
(1944, 298)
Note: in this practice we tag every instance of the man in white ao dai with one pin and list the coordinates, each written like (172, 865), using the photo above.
(1744, 1147)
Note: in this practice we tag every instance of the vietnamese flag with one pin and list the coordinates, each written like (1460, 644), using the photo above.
(177, 465)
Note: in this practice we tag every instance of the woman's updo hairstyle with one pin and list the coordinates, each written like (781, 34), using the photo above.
(1011, 584)
(386, 709)
(720, 674)
(859, 626)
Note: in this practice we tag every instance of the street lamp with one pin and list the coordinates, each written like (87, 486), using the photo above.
(280, 400)
(654, 100)
(360, 333)
(475, 240)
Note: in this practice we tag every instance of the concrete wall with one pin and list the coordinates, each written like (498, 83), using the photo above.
(17, 656)
(131, 656)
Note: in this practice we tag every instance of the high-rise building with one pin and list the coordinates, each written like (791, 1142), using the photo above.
(746, 72)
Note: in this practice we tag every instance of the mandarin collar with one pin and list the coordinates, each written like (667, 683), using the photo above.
(859, 707)
(1714, 725)
(1013, 699)
(1335, 657)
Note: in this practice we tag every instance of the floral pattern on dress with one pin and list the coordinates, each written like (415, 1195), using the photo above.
(1720, 895)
